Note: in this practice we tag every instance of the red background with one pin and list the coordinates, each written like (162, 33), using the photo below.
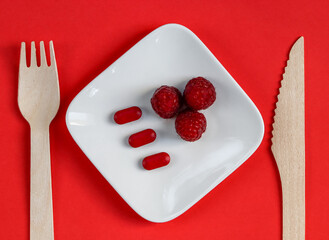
(250, 38)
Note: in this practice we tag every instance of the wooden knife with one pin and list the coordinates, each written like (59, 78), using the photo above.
(288, 144)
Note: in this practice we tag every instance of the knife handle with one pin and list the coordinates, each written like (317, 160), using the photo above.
(293, 202)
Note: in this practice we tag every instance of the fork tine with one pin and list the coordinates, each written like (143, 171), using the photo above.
(33, 55)
(43, 60)
(52, 54)
(22, 60)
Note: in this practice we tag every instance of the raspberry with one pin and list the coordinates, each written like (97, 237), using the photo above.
(199, 93)
(166, 101)
(190, 125)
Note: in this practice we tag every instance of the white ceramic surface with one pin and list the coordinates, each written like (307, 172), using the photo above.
(170, 55)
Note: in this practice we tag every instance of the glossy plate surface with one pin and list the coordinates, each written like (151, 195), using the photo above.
(170, 55)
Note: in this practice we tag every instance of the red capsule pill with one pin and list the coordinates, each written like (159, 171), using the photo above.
(141, 138)
(127, 115)
(155, 161)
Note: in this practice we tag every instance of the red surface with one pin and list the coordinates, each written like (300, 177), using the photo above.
(250, 38)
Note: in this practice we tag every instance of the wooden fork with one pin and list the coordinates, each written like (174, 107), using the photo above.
(38, 101)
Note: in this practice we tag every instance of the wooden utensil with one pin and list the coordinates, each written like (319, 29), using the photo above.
(38, 101)
(289, 143)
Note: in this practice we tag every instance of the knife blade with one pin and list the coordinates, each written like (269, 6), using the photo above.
(288, 144)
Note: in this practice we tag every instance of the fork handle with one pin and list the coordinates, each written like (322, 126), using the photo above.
(41, 207)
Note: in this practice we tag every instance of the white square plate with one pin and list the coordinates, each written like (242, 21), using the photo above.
(170, 55)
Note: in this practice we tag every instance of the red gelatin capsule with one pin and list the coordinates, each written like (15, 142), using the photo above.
(127, 115)
(155, 161)
(141, 138)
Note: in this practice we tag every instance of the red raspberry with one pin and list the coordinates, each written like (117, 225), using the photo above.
(190, 125)
(166, 101)
(199, 93)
